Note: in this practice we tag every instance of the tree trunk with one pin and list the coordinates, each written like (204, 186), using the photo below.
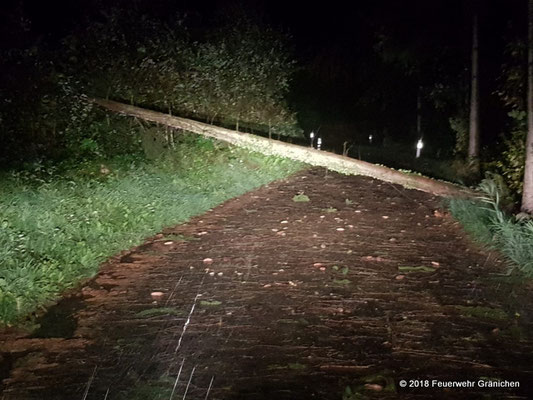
(527, 193)
(307, 155)
(418, 120)
(473, 143)
(419, 114)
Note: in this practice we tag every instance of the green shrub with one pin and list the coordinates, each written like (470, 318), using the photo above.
(486, 222)
(460, 126)
(513, 159)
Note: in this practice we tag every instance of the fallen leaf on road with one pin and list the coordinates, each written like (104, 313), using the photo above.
(374, 387)
(157, 295)
(372, 258)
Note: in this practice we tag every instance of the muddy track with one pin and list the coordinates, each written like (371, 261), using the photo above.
(364, 285)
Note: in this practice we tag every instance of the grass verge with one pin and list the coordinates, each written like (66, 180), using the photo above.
(58, 224)
(488, 224)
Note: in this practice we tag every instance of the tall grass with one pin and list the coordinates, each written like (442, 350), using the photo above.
(57, 227)
(487, 223)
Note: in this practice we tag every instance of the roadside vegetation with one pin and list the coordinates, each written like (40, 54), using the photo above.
(59, 222)
(489, 224)
(78, 184)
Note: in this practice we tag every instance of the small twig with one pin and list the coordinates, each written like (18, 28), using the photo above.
(229, 336)
(345, 368)
(177, 378)
(187, 322)
(189, 383)
(89, 383)
(209, 388)
(173, 290)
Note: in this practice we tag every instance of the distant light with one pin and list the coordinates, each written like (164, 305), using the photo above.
(318, 143)
(312, 135)
(370, 137)
(419, 146)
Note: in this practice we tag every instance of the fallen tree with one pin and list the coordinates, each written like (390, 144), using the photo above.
(308, 155)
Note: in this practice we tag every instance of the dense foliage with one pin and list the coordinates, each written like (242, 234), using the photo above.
(235, 75)
(513, 94)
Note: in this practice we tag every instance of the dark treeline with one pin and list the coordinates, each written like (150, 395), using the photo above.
(396, 70)
(234, 72)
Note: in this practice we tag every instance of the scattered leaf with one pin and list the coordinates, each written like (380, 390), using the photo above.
(374, 387)
(296, 366)
(300, 198)
(212, 303)
(152, 312)
(494, 314)
(157, 295)
(342, 281)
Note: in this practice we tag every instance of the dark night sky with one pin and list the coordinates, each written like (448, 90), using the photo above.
(313, 23)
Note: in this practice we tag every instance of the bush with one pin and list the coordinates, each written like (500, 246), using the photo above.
(238, 75)
(512, 161)
(487, 223)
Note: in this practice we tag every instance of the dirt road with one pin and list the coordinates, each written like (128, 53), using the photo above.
(317, 287)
